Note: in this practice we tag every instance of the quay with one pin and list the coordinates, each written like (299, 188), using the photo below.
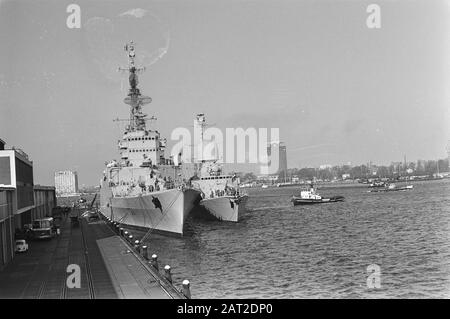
(110, 267)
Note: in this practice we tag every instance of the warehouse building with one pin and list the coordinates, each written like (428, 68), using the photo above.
(20, 200)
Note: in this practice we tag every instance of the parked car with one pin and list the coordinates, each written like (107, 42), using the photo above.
(21, 246)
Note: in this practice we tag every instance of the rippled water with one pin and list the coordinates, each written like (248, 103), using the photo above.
(321, 251)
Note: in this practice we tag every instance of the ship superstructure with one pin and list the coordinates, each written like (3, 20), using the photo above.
(144, 188)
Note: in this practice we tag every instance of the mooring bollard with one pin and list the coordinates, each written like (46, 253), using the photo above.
(144, 252)
(167, 273)
(154, 261)
(186, 290)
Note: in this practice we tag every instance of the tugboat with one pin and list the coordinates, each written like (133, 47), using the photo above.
(309, 197)
(144, 189)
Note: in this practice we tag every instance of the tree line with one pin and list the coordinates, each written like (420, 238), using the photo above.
(419, 168)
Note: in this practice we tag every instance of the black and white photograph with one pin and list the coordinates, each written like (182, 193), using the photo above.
(237, 150)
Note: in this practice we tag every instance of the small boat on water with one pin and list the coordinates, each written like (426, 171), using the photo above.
(391, 188)
(288, 184)
(377, 184)
(309, 197)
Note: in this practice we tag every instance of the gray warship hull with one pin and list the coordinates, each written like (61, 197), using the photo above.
(168, 216)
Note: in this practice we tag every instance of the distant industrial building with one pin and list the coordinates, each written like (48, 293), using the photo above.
(282, 156)
(20, 200)
(66, 183)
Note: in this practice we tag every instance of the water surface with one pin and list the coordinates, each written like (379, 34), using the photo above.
(320, 251)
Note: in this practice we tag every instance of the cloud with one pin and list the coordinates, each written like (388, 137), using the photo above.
(137, 12)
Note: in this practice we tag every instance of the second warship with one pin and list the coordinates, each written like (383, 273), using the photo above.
(221, 194)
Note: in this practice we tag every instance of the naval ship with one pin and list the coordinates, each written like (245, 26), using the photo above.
(220, 193)
(144, 189)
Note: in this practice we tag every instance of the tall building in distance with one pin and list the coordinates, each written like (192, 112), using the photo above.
(282, 156)
(66, 183)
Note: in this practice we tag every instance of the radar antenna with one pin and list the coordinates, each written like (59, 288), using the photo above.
(134, 98)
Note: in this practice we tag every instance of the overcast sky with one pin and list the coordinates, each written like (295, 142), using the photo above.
(339, 91)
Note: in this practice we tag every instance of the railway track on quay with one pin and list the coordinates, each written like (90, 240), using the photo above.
(75, 246)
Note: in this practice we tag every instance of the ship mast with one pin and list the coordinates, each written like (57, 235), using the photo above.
(134, 98)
